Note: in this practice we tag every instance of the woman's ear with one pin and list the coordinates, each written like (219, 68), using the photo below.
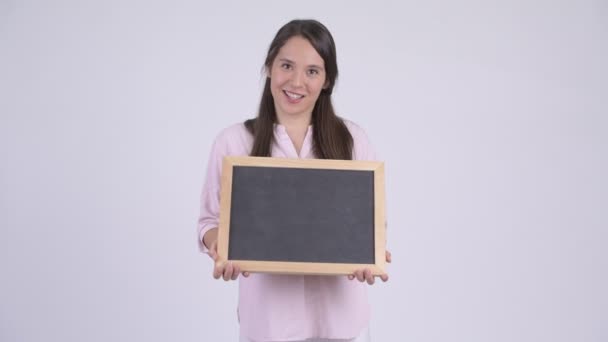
(267, 71)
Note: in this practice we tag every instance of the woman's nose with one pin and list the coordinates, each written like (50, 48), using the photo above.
(297, 79)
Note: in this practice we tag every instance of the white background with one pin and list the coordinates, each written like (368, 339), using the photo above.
(492, 118)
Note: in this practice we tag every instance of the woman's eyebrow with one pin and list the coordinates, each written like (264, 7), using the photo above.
(316, 66)
(286, 60)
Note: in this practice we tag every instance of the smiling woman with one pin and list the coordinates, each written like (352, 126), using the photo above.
(297, 77)
(296, 119)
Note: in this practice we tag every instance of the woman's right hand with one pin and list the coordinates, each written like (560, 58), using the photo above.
(227, 270)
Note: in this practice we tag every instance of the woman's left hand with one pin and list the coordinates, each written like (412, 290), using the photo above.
(366, 274)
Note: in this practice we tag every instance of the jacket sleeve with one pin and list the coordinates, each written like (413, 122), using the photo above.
(210, 194)
(363, 150)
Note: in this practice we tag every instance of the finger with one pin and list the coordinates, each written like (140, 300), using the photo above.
(228, 271)
(212, 254)
(369, 277)
(359, 275)
(245, 274)
(237, 271)
(384, 277)
(213, 251)
(388, 256)
(218, 269)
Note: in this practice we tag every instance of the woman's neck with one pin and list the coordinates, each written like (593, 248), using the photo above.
(296, 127)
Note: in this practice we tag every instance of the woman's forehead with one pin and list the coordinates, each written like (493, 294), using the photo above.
(299, 50)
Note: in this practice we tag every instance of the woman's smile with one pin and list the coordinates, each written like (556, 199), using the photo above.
(293, 97)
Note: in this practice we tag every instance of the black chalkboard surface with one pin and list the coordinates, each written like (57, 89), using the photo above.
(304, 216)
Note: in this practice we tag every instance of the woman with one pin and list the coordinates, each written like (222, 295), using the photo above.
(296, 119)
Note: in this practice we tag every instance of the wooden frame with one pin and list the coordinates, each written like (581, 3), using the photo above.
(378, 268)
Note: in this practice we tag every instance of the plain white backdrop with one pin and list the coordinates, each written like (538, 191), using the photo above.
(491, 116)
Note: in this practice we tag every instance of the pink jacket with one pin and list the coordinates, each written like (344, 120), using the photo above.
(287, 307)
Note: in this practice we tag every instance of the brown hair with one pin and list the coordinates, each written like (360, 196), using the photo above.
(331, 138)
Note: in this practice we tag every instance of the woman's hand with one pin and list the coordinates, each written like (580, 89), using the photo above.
(366, 274)
(228, 270)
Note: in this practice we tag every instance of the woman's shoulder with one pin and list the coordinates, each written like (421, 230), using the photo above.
(355, 129)
(362, 147)
(233, 130)
(234, 139)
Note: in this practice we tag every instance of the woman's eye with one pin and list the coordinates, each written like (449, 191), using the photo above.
(313, 72)
(286, 66)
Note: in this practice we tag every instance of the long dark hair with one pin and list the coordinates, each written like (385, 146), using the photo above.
(331, 138)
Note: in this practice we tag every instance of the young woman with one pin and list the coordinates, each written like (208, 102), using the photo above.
(296, 119)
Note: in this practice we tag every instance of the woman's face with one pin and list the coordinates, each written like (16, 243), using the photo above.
(297, 77)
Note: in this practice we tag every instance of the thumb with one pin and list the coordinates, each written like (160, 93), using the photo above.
(213, 251)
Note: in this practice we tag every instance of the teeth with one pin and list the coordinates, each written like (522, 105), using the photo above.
(293, 96)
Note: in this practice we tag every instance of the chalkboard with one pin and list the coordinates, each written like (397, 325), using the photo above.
(302, 216)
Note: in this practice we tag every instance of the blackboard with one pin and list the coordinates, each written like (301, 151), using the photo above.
(305, 216)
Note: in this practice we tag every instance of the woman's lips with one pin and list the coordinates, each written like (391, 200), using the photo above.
(293, 97)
